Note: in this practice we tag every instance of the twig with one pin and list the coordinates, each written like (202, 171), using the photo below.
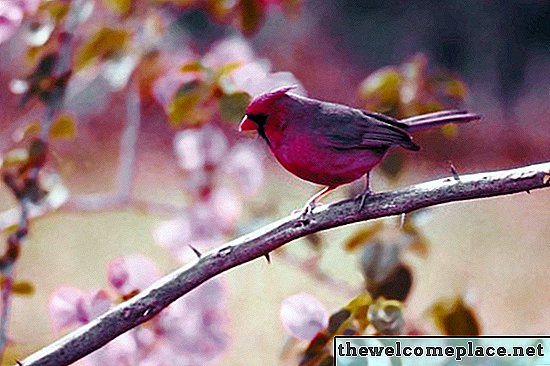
(128, 142)
(150, 302)
(318, 274)
(7, 269)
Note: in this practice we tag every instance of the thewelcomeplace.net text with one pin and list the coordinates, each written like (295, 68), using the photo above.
(458, 352)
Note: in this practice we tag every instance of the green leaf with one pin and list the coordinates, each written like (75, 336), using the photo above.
(64, 127)
(105, 43)
(358, 308)
(186, 107)
(380, 90)
(232, 106)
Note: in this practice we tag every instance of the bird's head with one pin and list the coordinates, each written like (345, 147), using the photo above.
(258, 112)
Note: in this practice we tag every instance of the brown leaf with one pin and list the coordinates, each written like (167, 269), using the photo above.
(121, 7)
(251, 16)
(24, 288)
(454, 317)
(64, 127)
(105, 43)
(397, 286)
(363, 236)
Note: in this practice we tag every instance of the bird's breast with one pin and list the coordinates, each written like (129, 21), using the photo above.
(313, 161)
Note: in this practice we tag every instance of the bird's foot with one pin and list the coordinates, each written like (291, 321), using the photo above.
(363, 197)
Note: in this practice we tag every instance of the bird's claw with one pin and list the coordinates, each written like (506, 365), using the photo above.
(305, 213)
(363, 196)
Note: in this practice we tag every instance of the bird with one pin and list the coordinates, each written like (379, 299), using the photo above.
(332, 144)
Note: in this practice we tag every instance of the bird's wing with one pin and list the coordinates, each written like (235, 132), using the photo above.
(347, 128)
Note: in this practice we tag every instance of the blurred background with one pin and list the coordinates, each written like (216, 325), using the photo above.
(196, 181)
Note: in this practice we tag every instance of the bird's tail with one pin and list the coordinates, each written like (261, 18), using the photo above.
(429, 120)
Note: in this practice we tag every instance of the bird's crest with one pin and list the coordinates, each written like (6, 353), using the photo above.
(262, 101)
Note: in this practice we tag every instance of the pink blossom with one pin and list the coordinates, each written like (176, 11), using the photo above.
(190, 332)
(121, 351)
(244, 165)
(255, 78)
(194, 325)
(200, 148)
(69, 306)
(303, 316)
(131, 273)
(201, 226)
(28, 6)
(11, 16)
(231, 50)
(166, 86)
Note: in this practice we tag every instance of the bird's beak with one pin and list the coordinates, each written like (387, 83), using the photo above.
(247, 125)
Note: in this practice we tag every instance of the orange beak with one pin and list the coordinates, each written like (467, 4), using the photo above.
(247, 125)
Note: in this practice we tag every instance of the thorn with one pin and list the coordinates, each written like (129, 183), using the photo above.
(454, 171)
(19, 363)
(402, 220)
(268, 258)
(528, 191)
(196, 251)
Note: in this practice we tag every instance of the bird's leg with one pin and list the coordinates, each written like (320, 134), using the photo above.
(367, 192)
(312, 202)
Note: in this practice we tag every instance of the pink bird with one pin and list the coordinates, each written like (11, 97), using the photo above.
(332, 144)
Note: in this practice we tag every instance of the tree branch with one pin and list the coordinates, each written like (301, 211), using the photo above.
(150, 302)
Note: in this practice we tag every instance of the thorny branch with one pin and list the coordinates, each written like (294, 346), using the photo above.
(150, 302)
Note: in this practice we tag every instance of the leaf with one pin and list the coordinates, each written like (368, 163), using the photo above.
(251, 16)
(194, 66)
(396, 286)
(64, 127)
(227, 69)
(337, 320)
(14, 158)
(24, 288)
(57, 9)
(449, 130)
(105, 43)
(121, 7)
(359, 307)
(392, 165)
(316, 350)
(30, 129)
(232, 106)
(185, 107)
(454, 317)
(363, 236)
(380, 90)
(378, 261)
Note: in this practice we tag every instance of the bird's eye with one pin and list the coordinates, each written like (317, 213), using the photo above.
(259, 119)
